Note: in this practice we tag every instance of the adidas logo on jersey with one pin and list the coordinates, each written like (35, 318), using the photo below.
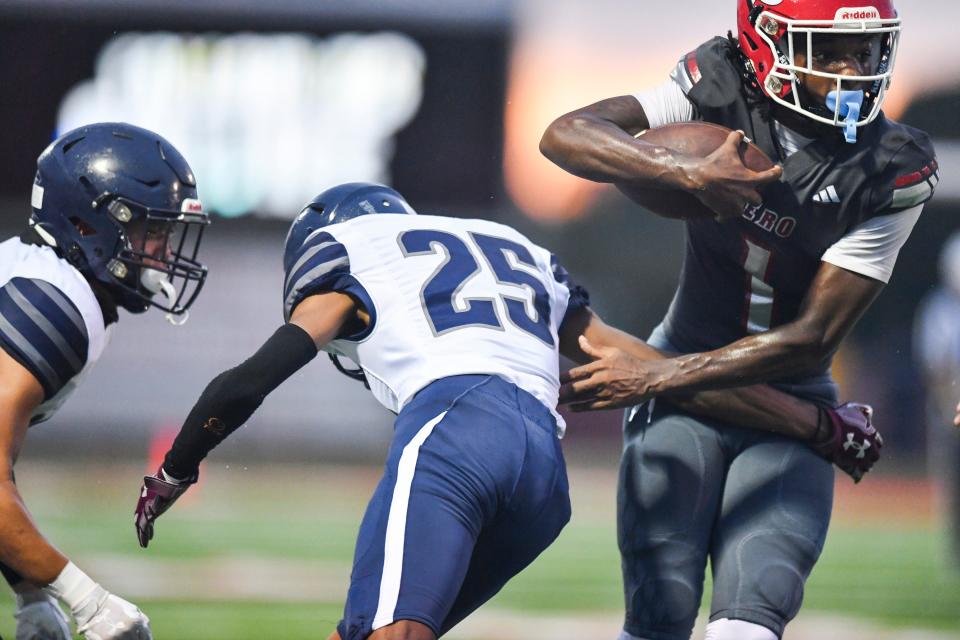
(827, 196)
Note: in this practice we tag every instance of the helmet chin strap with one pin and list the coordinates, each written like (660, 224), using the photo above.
(156, 282)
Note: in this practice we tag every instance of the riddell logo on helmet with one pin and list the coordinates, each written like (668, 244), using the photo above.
(858, 13)
(191, 205)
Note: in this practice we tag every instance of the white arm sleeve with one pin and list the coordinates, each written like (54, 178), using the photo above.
(666, 104)
(871, 249)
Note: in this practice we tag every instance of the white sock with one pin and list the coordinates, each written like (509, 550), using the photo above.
(726, 629)
(78, 591)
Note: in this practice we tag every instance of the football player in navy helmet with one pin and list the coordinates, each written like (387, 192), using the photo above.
(768, 292)
(457, 326)
(115, 223)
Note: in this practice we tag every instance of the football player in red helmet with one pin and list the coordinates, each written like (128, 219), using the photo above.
(821, 59)
(767, 293)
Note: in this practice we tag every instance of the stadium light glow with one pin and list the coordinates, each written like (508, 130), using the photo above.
(266, 121)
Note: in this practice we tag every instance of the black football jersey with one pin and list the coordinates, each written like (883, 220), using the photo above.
(749, 275)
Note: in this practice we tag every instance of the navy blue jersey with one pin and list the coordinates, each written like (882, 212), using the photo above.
(752, 274)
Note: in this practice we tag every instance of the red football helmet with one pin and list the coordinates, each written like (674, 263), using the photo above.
(771, 31)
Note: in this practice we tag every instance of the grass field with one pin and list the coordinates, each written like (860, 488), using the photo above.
(262, 553)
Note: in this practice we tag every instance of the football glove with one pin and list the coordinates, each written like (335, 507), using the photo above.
(39, 617)
(104, 616)
(157, 495)
(847, 438)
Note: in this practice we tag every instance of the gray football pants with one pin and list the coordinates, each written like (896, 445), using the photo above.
(758, 505)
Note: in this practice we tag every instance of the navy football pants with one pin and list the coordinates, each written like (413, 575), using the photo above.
(473, 490)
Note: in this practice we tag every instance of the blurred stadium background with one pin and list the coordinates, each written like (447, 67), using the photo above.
(445, 100)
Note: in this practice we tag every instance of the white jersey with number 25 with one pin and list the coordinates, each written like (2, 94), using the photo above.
(446, 297)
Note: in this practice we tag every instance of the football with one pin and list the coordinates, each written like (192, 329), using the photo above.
(698, 139)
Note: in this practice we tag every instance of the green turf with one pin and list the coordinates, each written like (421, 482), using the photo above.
(892, 574)
(231, 620)
(895, 575)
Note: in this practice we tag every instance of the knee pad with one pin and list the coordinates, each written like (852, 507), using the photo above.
(726, 629)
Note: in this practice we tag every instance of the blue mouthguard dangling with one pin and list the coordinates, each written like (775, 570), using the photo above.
(850, 104)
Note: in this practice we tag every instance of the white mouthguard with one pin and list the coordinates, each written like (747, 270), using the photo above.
(156, 282)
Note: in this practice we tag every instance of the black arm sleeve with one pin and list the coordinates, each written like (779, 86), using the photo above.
(232, 397)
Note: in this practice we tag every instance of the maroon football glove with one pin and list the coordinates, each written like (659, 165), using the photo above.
(156, 496)
(847, 438)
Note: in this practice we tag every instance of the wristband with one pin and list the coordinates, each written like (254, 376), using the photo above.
(74, 588)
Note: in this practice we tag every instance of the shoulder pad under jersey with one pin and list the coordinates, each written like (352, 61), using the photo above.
(911, 175)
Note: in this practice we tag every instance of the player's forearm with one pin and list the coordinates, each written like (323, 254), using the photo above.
(836, 300)
(600, 334)
(776, 351)
(774, 355)
(22, 547)
(756, 407)
(233, 396)
(595, 148)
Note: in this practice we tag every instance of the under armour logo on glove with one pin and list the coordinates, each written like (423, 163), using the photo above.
(861, 448)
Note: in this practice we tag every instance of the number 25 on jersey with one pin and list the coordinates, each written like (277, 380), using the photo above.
(438, 293)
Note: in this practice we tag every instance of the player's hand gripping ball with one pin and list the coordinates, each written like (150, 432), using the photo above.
(728, 182)
(849, 438)
(156, 496)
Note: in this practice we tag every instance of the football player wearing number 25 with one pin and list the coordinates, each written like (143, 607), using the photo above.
(115, 223)
(456, 325)
(767, 293)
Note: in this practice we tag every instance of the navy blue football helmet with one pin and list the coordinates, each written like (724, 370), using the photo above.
(339, 204)
(120, 204)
